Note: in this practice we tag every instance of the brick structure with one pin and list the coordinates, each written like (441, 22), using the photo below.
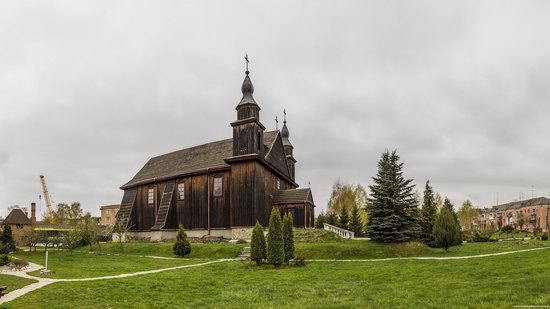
(20, 225)
(108, 214)
(535, 214)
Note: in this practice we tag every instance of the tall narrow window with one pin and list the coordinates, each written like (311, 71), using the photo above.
(151, 196)
(278, 184)
(218, 188)
(181, 191)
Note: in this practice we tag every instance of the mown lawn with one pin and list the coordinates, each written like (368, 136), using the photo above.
(490, 282)
(199, 250)
(85, 265)
(14, 283)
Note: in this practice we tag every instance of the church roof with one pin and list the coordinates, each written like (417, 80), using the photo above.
(537, 201)
(293, 196)
(190, 160)
(17, 216)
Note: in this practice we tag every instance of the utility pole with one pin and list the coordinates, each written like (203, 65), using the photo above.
(532, 191)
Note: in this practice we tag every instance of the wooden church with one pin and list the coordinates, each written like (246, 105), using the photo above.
(219, 188)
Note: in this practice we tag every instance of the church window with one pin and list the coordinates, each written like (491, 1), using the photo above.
(181, 191)
(218, 190)
(278, 184)
(151, 196)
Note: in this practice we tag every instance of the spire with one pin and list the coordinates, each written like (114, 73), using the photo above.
(247, 88)
(285, 134)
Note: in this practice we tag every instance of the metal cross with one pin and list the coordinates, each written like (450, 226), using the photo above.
(276, 123)
(284, 112)
(247, 61)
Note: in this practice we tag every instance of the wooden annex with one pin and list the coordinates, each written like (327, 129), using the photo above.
(219, 188)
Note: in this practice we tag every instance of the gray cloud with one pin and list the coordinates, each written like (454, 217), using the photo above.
(90, 90)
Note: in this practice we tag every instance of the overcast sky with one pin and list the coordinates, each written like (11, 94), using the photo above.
(90, 90)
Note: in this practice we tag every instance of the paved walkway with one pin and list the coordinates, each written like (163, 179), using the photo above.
(45, 281)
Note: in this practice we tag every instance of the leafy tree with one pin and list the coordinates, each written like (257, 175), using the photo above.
(392, 208)
(258, 247)
(30, 238)
(320, 220)
(428, 214)
(446, 232)
(343, 218)
(347, 196)
(355, 222)
(466, 215)
(7, 240)
(71, 239)
(288, 237)
(275, 246)
(447, 204)
(181, 246)
(331, 218)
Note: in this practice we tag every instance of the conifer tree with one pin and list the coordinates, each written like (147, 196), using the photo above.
(320, 220)
(355, 223)
(181, 246)
(288, 237)
(343, 218)
(275, 246)
(258, 247)
(428, 214)
(392, 209)
(7, 238)
(331, 218)
(446, 231)
(447, 204)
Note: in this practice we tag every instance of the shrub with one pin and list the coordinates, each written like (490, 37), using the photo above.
(493, 238)
(507, 229)
(181, 247)
(275, 246)
(477, 237)
(4, 260)
(258, 247)
(19, 263)
(4, 249)
(7, 238)
(544, 237)
(445, 230)
(288, 237)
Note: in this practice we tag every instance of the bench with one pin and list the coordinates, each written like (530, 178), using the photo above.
(2, 289)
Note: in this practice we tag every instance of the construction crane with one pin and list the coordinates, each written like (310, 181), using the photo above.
(47, 199)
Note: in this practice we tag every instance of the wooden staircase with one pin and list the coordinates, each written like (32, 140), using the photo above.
(126, 207)
(165, 203)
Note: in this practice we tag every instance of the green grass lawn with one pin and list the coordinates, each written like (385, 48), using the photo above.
(14, 283)
(199, 250)
(85, 265)
(491, 282)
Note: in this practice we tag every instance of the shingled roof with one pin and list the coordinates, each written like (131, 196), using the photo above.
(190, 160)
(526, 203)
(293, 196)
(17, 216)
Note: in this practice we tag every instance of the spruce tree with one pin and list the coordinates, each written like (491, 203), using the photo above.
(7, 238)
(331, 218)
(355, 223)
(428, 214)
(343, 218)
(320, 220)
(447, 204)
(181, 246)
(446, 232)
(275, 246)
(258, 248)
(392, 209)
(288, 237)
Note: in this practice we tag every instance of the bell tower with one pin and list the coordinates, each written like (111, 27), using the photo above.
(248, 131)
(289, 149)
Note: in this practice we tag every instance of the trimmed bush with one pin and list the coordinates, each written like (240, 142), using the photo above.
(258, 248)
(507, 229)
(288, 237)
(544, 237)
(275, 246)
(181, 247)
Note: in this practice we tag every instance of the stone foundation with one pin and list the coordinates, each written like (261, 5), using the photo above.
(171, 235)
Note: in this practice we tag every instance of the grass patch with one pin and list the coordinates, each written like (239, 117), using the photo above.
(86, 265)
(14, 283)
(361, 249)
(315, 235)
(492, 282)
(198, 250)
